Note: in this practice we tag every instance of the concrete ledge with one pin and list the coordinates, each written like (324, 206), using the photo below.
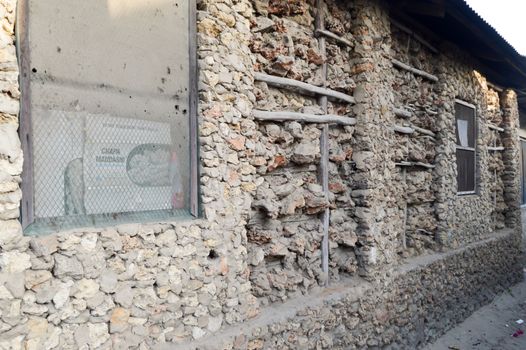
(419, 301)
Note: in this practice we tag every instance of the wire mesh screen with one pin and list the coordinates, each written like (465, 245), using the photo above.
(110, 130)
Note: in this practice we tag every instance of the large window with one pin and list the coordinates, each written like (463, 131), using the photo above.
(108, 111)
(466, 130)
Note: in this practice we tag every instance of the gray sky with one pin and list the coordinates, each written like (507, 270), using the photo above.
(507, 17)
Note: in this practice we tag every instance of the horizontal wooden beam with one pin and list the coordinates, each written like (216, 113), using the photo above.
(495, 87)
(413, 70)
(303, 117)
(292, 84)
(496, 128)
(432, 112)
(403, 129)
(414, 35)
(412, 129)
(424, 131)
(335, 37)
(402, 113)
(415, 164)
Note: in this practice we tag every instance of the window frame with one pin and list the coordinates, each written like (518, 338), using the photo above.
(469, 149)
(22, 31)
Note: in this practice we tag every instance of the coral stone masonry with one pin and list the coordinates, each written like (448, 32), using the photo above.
(331, 217)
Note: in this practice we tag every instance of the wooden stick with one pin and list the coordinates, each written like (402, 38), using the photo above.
(494, 87)
(408, 130)
(496, 149)
(424, 131)
(402, 113)
(292, 84)
(304, 117)
(404, 177)
(403, 129)
(406, 67)
(404, 224)
(425, 165)
(336, 37)
(495, 181)
(414, 35)
(415, 164)
(432, 112)
(324, 147)
(496, 128)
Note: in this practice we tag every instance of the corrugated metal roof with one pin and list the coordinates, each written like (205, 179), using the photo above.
(455, 21)
(483, 20)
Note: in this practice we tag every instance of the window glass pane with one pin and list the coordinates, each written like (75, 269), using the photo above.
(465, 170)
(465, 125)
(109, 106)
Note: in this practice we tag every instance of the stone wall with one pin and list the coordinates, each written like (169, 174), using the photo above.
(421, 97)
(136, 285)
(285, 229)
(256, 252)
(468, 218)
(414, 306)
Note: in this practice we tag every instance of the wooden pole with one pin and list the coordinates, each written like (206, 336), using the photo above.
(412, 129)
(415, 164)
(402, 113)
(304, 117)
(324, 145)
(496, 149)
(414, 35)
(333, 36)
(496, 128)
(404, 179)
(413, 70)
(292, 84)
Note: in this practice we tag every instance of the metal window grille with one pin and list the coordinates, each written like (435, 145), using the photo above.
(108, 136)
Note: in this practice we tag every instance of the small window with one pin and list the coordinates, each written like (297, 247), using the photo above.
(466, 132)
(108, 112)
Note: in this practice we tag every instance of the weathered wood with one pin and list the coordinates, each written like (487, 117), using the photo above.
(304, 117)
(495, 87)
(423, 131)
(402, 113)
(415, 164)
(292, 170)
(413, 70)
(409, 130)
(496, 128)
(414, 35)
(335, 37)
(496, 149)
(403, 129)
(292, 84)
(432, 112)
(404, 227)
(324, 148)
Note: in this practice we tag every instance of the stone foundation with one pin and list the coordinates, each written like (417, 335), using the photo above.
(422, 299)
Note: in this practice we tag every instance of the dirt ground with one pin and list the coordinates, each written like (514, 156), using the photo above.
(493, 326)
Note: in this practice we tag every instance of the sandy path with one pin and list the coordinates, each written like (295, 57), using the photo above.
(491, 327)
